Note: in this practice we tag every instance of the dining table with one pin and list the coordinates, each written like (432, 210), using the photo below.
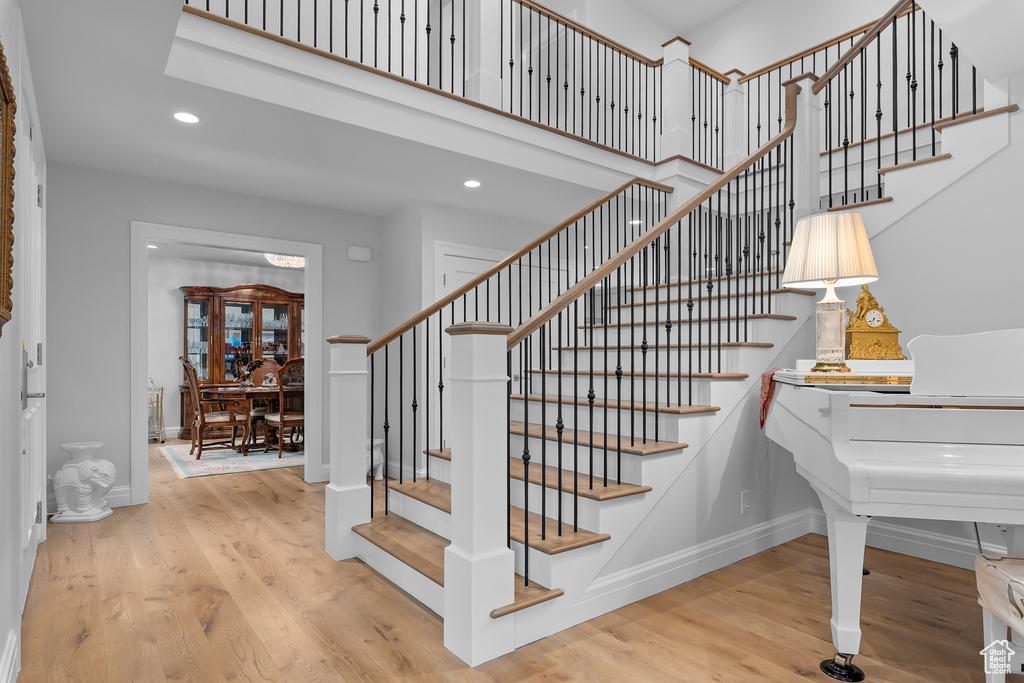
(264, 392)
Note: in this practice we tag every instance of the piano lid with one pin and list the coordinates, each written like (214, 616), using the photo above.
(982, 364)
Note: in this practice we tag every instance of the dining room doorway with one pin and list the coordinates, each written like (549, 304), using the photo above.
(213, 255)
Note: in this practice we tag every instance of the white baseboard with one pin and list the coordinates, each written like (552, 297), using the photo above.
(621, 588)
(119, 496)
(951, 550)
(9, 663)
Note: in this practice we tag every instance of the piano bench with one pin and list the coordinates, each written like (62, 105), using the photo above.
(1001, 596)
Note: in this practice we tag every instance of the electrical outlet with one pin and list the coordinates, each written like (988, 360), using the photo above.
(744, 502)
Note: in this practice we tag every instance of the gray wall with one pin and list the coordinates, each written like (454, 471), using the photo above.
(89, 217)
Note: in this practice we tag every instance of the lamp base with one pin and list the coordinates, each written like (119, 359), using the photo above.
(829, 337)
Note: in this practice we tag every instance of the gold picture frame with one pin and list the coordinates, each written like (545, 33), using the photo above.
(8, 107)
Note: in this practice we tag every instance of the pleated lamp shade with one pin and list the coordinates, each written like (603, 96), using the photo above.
(830, 246)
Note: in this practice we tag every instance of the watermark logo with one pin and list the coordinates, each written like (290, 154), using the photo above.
(997, 657)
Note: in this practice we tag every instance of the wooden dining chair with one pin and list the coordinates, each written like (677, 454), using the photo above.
(259, 407)
(213, 412)
(289, 416)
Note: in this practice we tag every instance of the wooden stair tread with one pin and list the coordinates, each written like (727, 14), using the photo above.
(725, 345)
(857, 205)
(599, 492)
(1008, 109)
(601, 403)
(443, 453)
(527, 596)
(733, 295)
(912, 164)
(433, 492)
(410, 543)
(553, 544)
(698, 375)
(641, 323)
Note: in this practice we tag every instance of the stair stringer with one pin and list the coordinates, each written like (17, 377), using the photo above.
(594, 580)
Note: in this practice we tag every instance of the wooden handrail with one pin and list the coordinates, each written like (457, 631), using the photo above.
(811, 50)
(609, 266)
(870, 35)
(590, 33)
(709, 71)
(495, 269)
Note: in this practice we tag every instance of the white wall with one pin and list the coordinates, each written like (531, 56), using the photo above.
(166, 319)
(757, 33)
(620, 21)
(90, 212)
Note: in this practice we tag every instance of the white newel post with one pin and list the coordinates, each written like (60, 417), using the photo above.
(734, 110)
(483, 52)
(347, 494)
(806, 150)
(677, 138)
(479, 568)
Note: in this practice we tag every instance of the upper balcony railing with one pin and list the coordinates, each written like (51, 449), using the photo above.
(526, 61)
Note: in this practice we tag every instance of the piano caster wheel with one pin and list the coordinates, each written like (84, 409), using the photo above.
(841, 668)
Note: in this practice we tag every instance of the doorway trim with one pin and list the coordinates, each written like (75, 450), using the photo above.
(141, 233)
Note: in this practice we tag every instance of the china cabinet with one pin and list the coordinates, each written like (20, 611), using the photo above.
(226, 327)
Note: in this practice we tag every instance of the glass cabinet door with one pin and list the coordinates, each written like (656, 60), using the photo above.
(197, 337)
(274, 331)
(302, 331)
(237, 338)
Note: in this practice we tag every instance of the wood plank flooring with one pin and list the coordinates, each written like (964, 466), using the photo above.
(225, 579)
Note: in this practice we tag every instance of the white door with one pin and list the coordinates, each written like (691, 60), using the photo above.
(454, 266)
(30, 314)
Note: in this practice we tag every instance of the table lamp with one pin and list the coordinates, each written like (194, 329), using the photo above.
(830, 250)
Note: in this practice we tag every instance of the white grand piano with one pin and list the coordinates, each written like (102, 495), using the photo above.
(952, 448)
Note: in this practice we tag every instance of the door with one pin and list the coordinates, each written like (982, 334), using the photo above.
(533, 285)
(29, 304)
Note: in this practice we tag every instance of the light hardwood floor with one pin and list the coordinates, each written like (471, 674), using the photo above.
(225, 579)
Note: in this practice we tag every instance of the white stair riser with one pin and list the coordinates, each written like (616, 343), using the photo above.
(760, 329)
(671, 427)
(587, 508)
(402, 575)
(730, 307)
(578, 458)
(658, 390)
(418, 512)
(731, 359)
(440, 469)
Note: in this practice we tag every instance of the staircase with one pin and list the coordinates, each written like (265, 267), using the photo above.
(571, 459)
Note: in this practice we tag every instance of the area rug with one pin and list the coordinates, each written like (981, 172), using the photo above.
(226, 461)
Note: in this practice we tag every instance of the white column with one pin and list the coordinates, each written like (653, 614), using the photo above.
(347, 495)
(479, 568)
(734, 109)
(807, 149)
(483, 52)
(677, 138)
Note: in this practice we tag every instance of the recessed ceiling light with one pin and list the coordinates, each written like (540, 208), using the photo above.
(636, 221)
(186, 117)
(152, 246)
(472, 183)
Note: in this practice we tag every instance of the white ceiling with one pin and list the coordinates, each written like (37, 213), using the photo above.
(683, 16)
(104, 101)
(200, 252)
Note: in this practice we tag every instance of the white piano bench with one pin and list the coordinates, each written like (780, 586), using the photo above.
(1001, 596)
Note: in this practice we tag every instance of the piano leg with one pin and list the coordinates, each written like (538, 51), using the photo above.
(846, 537)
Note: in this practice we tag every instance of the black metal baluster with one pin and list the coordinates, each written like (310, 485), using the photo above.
(912, 73)
(426, 393)
(401, 409)
(373, 401)
(387, 431)
(895, 103)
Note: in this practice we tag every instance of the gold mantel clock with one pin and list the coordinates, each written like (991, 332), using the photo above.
(869, 334)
